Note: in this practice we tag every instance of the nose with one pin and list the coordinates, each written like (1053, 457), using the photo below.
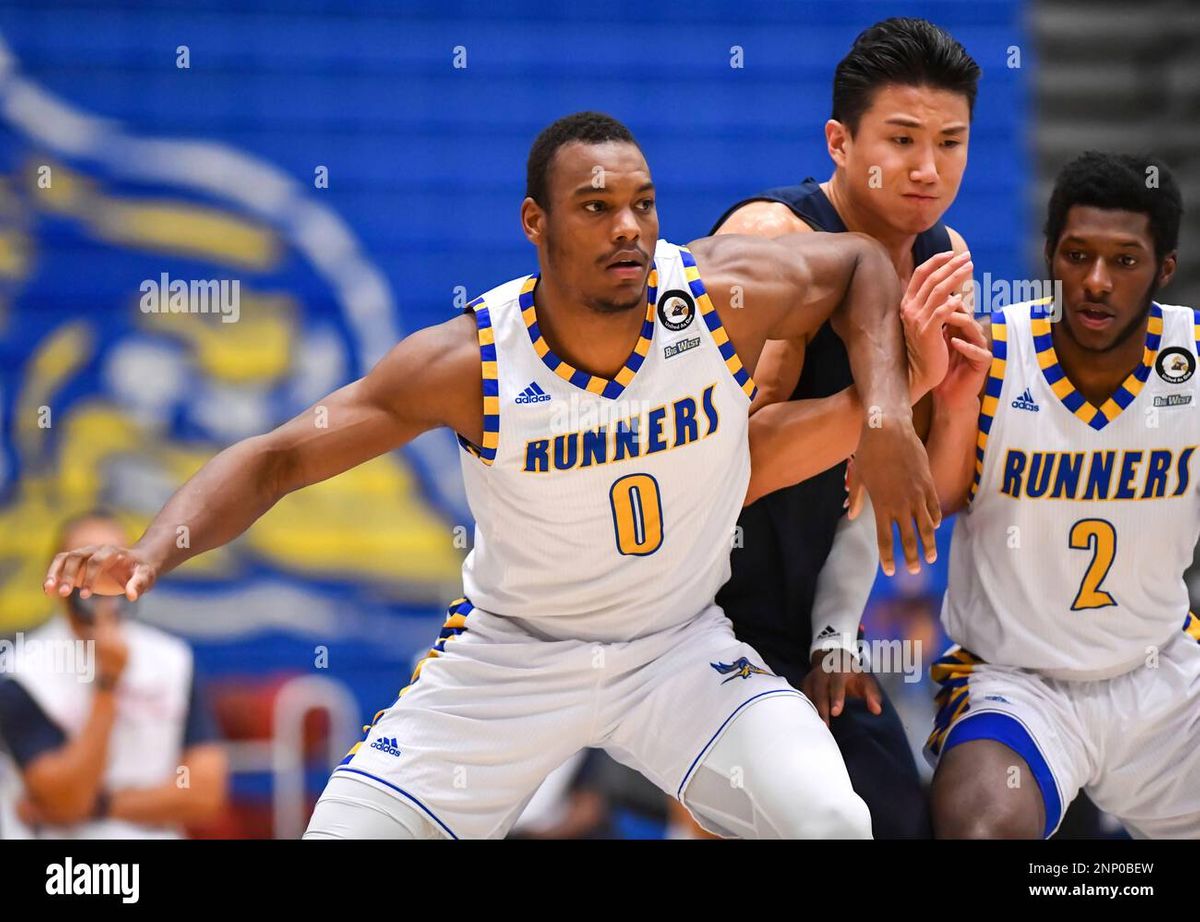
(1098, 281)
(625, 226)
(924, 167)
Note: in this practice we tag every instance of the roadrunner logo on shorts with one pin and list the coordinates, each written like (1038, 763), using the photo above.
(383, 744)
(739, 669)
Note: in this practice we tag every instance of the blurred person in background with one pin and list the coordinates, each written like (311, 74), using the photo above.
(124, 747)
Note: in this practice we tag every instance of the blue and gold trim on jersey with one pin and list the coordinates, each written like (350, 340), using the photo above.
(1191, 626)
(953, 673)
(1095, 416)
(593, 384)
(712, 320)
(491, 386)
(991, 394)
(1196, 328)
(455, 624)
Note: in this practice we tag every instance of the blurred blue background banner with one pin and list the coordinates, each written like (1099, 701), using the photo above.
(357, 169)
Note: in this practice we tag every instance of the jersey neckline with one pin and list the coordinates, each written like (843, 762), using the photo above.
(1095, 416)
(593, 384)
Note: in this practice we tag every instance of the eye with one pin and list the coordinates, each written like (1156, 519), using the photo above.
(951, 143)
(902, 140)
(599, 207)
(647, 205)
(1127, 261)
(1075, 256)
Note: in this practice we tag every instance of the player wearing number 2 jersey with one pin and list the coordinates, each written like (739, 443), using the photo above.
(1078, 663)
(601, 404)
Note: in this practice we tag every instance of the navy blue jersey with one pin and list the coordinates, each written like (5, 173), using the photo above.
(787, 535)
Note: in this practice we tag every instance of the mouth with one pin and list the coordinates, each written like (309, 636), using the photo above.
(917, 197)
(627, 266)
(1094, 316)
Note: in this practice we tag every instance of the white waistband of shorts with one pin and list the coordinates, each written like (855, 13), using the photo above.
(1094, 675)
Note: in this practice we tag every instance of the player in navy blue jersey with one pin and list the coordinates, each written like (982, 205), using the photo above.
(902, 106)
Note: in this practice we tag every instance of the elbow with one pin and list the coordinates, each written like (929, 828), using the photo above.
(277, 467)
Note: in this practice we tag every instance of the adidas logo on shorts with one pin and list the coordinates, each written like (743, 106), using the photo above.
(383, 744)
(532, 394)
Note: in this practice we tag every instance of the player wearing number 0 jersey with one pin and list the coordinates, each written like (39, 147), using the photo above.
(1077, 652)
(605, 501)
(625, 542)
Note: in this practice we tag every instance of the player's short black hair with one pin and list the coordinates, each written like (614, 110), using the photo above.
(1124, 182)
(909, 52)
(586, 127)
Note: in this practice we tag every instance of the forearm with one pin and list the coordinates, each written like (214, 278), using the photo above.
(798, 439)
(166, 804)
(794, 440)
(868, 321)
(219, 502)
(64, 784)
(844, 583)
(951, 449)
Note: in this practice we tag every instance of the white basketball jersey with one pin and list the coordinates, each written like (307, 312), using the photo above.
(605, 509)
(1070, 558)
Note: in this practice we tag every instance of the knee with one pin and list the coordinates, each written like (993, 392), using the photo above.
(843, 815)
(971, 811)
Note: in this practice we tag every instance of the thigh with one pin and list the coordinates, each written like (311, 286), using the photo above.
(1151, 721)
(776, 773)
(351, 808)
(484, 720)
(877, 753)
(671, 696)
(1013, 712)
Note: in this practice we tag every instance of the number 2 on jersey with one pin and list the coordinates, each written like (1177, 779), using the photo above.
(637, 514)
(1099, 536)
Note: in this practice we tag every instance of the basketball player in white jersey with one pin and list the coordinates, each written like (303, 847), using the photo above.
(602, 409)
(1078, 661)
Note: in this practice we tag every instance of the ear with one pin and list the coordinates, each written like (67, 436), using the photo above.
(533, 221)
(836, 136)
(1167, 270)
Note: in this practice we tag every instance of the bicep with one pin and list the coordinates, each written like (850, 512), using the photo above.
(429, 379)
(812, 274)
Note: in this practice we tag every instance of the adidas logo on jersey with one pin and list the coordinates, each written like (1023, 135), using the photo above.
(383, 744)
(532, 394)
(1025, 402)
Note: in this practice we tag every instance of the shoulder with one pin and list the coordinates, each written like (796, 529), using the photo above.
(437, 355)
(763, 219)
(957, 243)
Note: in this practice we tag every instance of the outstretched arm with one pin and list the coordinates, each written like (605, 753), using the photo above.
(431, 378)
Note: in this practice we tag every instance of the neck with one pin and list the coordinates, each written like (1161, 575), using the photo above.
(593, 341)
(1097, 375)
(898, 245)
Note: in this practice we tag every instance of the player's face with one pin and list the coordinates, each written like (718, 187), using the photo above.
(906, 161)
(598, 236)
(1105, 261)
